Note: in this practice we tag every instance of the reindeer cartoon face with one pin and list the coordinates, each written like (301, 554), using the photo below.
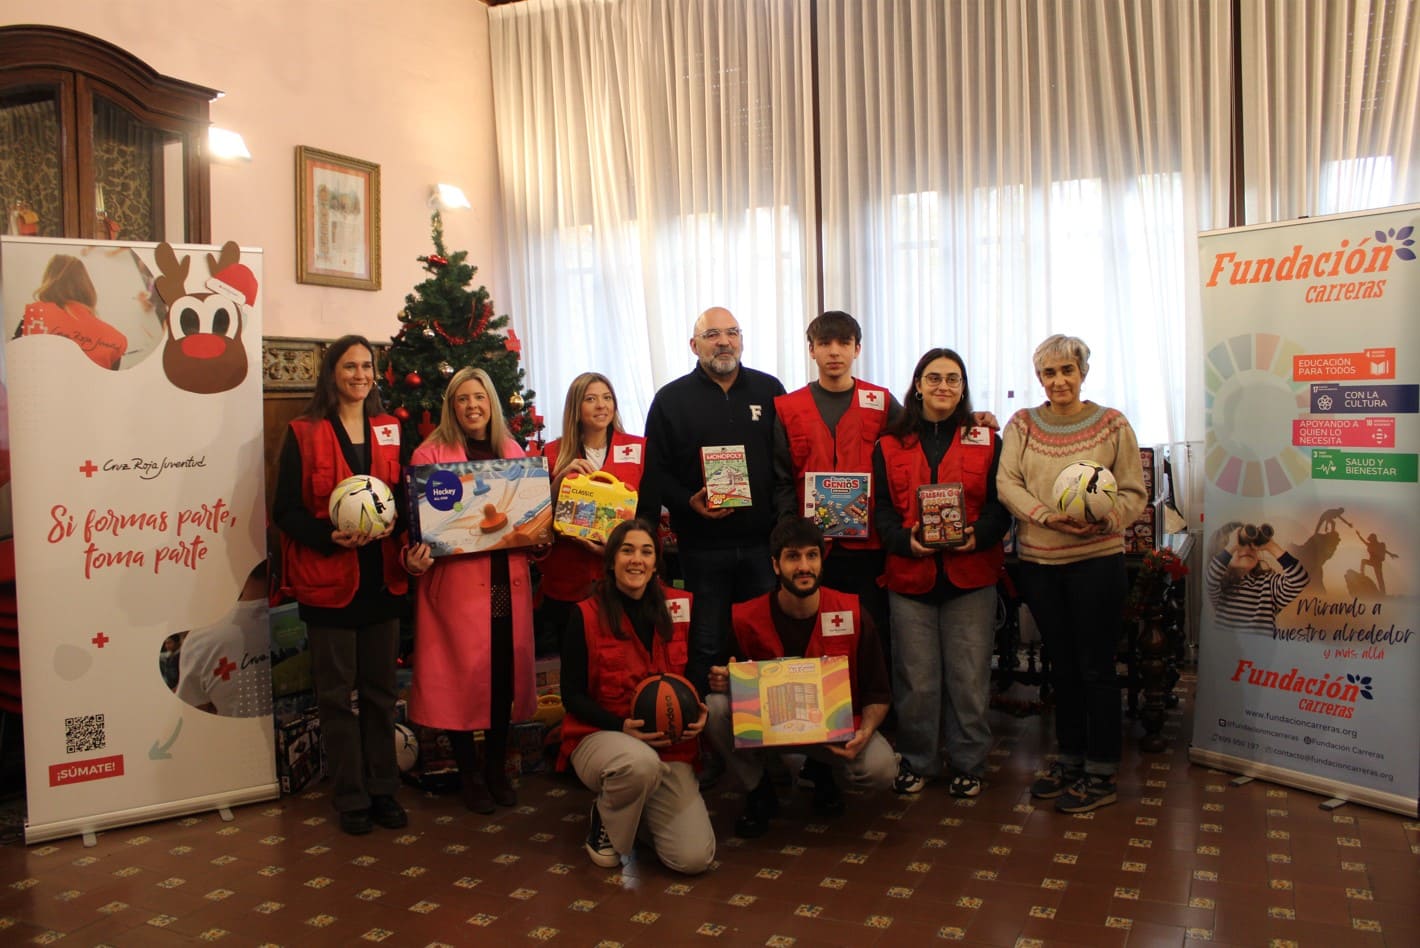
(204, 353)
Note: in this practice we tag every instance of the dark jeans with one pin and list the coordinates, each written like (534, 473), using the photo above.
(359, 748)
(718, 579)
(1077, 607)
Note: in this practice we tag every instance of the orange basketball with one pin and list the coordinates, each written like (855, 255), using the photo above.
(666, 703)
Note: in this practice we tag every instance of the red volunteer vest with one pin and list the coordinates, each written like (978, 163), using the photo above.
(834, 634)
(616, 666)
(849, 447)
(906, 470)
(570, 569)
(330, 581)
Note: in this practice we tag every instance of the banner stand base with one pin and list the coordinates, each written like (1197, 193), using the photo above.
(1332, 804)
(89, 827)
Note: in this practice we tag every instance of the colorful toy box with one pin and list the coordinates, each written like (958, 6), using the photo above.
(941, 513)
(590, 507)
(726, 476)
(478, 506)
(838, 502)
(299, 756)
(787, 701)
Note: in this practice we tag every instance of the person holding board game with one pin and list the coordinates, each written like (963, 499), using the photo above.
(1072, 569)
(941, 527)
(630, 629)
(806, 620)
(593, 440)
(473, 642)
(823, 458)
(710, 462)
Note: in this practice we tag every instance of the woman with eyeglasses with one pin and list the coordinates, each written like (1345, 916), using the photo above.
(1072, 572)
(942, 567)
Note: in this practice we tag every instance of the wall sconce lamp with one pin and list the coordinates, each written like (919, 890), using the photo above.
(448, 197)
(226, 145)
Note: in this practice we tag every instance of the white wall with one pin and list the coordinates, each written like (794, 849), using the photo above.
(406, 85)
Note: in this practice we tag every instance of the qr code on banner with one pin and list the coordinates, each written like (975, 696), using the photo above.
(83, 734)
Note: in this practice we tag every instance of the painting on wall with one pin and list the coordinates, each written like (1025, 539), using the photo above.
(337, 220)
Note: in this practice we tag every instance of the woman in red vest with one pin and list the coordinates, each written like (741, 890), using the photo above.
(64, 306)
(592, 440)
(473, 642)
(941, 596)
(348, 585)
(631, 628)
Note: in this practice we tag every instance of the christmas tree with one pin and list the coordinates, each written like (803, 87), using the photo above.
(446, 326)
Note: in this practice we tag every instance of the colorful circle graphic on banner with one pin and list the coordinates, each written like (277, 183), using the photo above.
(1251, 402)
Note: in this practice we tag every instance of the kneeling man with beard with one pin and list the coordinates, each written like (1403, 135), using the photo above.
(800, 619)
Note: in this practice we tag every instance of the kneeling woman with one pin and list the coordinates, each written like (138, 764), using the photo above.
(632, 627)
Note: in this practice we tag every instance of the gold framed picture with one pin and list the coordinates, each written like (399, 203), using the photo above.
(337, 220)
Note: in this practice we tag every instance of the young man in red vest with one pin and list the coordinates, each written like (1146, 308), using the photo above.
(803, 619)
(831, 424)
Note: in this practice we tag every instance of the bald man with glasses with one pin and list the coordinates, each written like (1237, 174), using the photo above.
(724, 553)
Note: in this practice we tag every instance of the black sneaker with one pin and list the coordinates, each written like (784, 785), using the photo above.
(907, 781)
(761, 806)
(1090, 792)
(356, 822)
(598, 844)
(386, 811)
(964, 785)
(1053, 782)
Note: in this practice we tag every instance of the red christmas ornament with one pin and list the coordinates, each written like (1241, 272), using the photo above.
(389, 373)
(516, 424)
(413, 380)
(402, 413)
(436, 260)
(513, 343)
(426, 424)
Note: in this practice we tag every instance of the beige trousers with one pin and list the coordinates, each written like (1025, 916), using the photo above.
(640, 794)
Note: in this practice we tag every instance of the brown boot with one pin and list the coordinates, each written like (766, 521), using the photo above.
(475, 792)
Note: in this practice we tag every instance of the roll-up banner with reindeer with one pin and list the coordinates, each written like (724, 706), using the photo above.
(132, 511)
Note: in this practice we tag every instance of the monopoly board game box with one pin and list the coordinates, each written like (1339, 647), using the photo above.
(478, 506)
(726, 476)
(786, 701)
(838, 502)
(590, 507)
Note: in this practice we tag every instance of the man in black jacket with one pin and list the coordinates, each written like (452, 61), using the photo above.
(724, 553)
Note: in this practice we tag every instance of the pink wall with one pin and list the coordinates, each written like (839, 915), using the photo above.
(403, 83)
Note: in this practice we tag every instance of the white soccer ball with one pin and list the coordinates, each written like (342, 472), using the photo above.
(1085, 491)
(362, 504)
(406, 747)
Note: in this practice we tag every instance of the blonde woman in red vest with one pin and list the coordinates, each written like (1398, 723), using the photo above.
(473, 642)
(348, 585)
(941, 599)
(632, 627)
(592, 440)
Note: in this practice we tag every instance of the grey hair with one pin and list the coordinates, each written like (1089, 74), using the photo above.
(1060, 347)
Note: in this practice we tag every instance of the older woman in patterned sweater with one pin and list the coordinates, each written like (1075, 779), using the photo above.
(1072, 572)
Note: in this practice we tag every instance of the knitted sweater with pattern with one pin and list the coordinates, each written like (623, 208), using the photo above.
(1035, 447)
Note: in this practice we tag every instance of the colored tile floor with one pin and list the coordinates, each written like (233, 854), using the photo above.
(1184, 858)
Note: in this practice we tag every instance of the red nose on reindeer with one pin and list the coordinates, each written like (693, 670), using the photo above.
(204, 345)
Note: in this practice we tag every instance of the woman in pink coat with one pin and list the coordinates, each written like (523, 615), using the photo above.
(473, 638)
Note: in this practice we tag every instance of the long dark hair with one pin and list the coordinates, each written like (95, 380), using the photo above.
(908, 420)
(653, 600)
(326, 398)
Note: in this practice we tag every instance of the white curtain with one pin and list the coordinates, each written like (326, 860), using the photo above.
(994, 172)
(1330, 93)
(655, 160)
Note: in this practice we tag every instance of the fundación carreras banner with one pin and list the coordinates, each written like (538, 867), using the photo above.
(1309, 661)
